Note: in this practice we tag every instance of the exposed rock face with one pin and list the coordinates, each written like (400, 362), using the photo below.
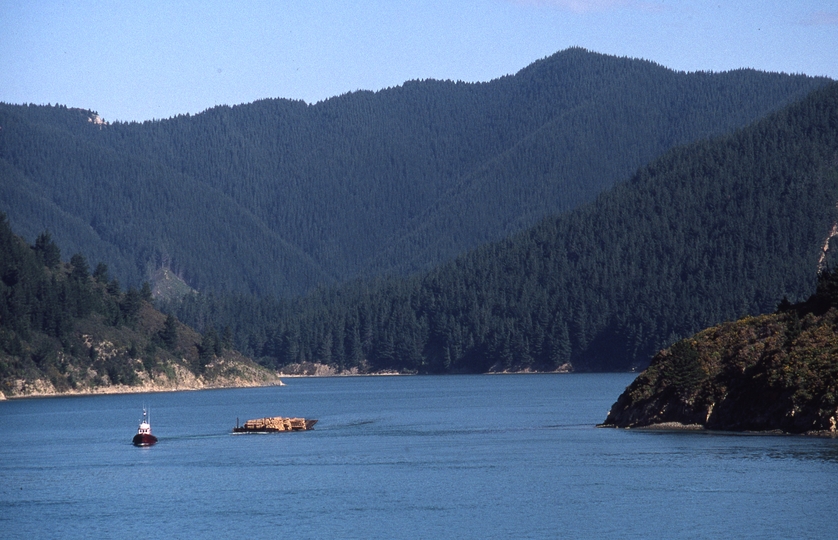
(769, 373)
(232, 371)
(567, 367)
(312, 369)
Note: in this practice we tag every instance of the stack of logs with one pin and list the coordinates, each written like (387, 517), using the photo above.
(275, 423)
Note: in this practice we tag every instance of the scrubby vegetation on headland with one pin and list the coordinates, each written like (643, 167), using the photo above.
(776, 372)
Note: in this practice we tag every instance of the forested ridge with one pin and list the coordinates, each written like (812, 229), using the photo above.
(277, 197)
(65, 327)
(708, 232)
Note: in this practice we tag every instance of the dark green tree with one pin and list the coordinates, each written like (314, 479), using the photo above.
(80, 271)
(100, 274)
(145, 292)
(130, 305)
(169, 333)
(47, 250)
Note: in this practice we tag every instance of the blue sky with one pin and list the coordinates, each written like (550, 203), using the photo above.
(142, 60)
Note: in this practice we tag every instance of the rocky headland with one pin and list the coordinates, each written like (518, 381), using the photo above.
(772, 373)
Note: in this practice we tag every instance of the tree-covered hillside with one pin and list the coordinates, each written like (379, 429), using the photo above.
(277, 196)
(707, 233)
(65, 327)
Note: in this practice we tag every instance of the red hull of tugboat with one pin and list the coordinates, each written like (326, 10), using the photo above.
(144, 439)
(144, 436)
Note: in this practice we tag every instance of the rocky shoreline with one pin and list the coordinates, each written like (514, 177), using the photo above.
(223, 373)
(678, 426)
(772, 374)
(185, 380)
(662, 426)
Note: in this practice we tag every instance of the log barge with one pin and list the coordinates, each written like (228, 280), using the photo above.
(274, 424)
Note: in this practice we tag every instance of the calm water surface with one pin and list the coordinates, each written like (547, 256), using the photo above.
(417, 457)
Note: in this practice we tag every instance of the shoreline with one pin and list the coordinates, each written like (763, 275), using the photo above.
(113, 390)
(121, 389)
(680, 427)
(671, 426)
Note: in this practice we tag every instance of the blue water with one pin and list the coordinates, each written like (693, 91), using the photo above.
(513, 456)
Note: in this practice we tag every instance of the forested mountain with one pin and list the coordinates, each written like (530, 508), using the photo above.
(65, 329)
(277, 196)
(708, 232)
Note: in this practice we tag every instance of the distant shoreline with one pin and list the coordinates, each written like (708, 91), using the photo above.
(120, 389)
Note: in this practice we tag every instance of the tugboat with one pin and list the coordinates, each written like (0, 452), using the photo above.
(144, 436)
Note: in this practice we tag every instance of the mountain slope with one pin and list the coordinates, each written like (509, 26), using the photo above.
(278, 196)
(706, 233)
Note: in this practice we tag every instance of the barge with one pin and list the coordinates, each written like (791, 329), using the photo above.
(274, 424)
